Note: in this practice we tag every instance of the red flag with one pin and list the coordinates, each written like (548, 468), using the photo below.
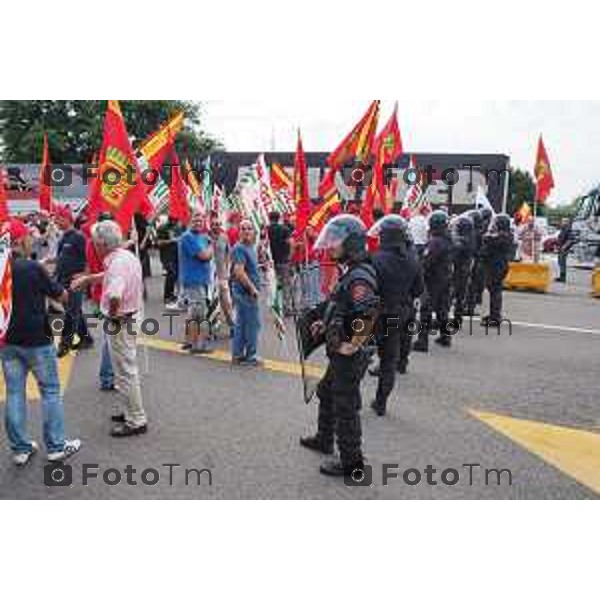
(179, 207)
(300, 189)
(158, 146)
(119, 189)
(543, 174)
(358, 144)
(280, 180)
(331, 204)
(387, 149)
(45, 189)
(3, 198)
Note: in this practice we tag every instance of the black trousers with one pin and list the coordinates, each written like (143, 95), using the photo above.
(494, 283)
(170, 280)
(476, 286)
(389, 353)
(340, 404)
(405, 342)
(74, 320)
(435, 300)
(460, 284)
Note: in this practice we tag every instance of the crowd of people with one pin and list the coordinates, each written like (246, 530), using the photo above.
(425, 265)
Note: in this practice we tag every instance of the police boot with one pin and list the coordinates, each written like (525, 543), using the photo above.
(490, 323)
(317, 444)
(402, 367)
(422, 344)
(335, 468)
(378, 408)
(445, 341)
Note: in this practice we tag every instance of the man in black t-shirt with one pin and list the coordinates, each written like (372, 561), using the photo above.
(28, 347)
(279, 239)
(71, 261)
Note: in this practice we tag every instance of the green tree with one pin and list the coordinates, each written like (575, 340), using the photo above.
(74, 127)
(522, 189)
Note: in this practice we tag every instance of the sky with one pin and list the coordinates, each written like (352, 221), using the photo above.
(571, 130)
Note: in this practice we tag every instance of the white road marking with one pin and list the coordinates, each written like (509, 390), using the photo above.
(561, 328)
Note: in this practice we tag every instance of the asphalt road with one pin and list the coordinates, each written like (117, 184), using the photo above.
(527, 403)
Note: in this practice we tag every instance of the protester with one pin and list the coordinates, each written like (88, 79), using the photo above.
(29, 348)
(245, 289)
(233, 228)
(95, 266)
(71, 262)
(280, 241)
(196, 253)
(419, 230)
(121, 305)
(222, 268)
(167, 231)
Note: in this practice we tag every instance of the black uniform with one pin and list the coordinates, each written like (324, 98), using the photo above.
(400, 281)
(463, 252)
(356, 294)
(496, 252)
(437, 272)
(477, 281)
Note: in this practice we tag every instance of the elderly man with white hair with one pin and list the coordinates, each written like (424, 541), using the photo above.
(121, 305)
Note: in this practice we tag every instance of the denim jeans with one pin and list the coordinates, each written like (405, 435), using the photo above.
(17, 362)
(246, 327)
(107, 375)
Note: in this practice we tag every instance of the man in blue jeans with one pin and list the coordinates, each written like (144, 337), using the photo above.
(245, 291)
(28, 347)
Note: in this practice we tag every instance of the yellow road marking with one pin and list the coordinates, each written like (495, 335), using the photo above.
(225, 357)
(575, 452)
(65, 367)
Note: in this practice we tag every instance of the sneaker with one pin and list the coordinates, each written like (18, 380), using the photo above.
(254, 362)
(22, 459)
(173, 307)
(200, 350)
(122, 430)
(378, 409)
(71, 447)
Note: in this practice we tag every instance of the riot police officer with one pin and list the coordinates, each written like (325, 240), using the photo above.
(437, 271)
(463, 251)
(497, 251)
(347, 325)
(400, 283)
(476, 283)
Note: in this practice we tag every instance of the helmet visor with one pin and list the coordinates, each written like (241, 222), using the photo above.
(332, 236)
(388, 222)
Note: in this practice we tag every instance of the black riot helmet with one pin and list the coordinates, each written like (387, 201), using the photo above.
(438, 222)
(392, 231)
(487, 214)
(477, 219)
(464, 226)
(346, 236)
(502, 224)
